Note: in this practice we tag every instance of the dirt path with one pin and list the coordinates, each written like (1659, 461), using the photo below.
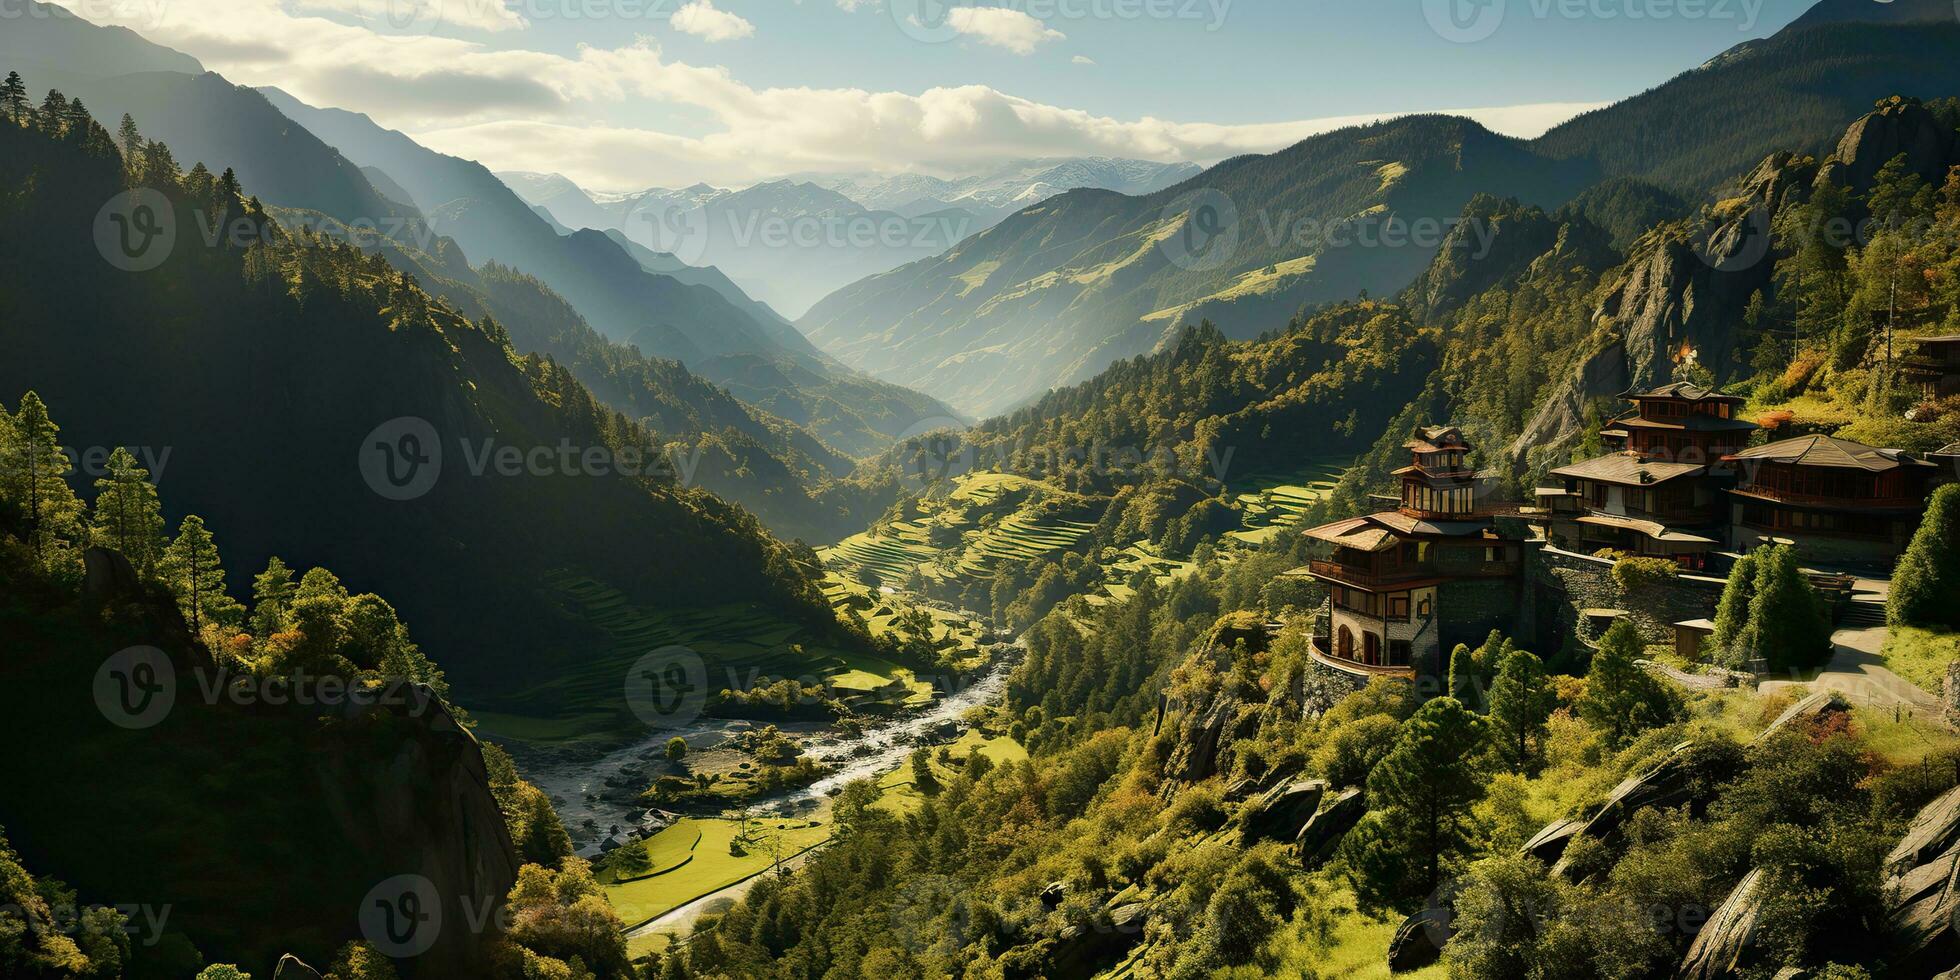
(1857, 671)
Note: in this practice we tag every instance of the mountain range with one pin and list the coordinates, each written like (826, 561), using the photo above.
(797, 239)
(1057, 292)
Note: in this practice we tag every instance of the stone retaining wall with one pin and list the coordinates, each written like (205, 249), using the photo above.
(1586, 582)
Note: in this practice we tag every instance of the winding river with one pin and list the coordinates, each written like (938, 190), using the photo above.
(598, 798)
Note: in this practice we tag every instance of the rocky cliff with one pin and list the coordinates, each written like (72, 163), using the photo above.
(313, 800)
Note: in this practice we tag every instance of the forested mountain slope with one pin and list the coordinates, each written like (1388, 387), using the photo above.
(775, 469)
(615, 292)
(1793, 92)
(250, 359)
(1056, 292)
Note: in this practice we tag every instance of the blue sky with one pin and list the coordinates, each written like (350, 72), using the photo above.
(625, 94)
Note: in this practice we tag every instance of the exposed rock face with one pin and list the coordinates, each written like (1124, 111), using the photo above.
(1898, 126)
(110, 577)
(1934, 831)
(1282, 812)
(1683, 287)
(1722, 947)
(1323, 833)
(425, 809)
(1689, 775)
(1420, 940)
(1493, 242)
(1950, 697)
(1817, 706)
(1925, 889)
(290, 968)
(1081, 952)
(1548, 845)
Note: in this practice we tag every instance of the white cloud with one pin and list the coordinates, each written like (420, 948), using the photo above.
(1082, 59)
(703, 20)
(1002, 27)
(397, 16)
(574, 113)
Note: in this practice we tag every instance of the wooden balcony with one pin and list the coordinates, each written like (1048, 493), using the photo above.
(1324, 655)
(1776, 495)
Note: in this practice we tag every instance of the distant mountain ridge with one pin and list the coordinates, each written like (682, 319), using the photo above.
(794, 240)
(1055, 293)
(1058, 291)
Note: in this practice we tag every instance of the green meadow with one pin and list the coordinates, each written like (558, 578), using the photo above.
(585, 700)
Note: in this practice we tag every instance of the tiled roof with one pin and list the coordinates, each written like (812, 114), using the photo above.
(1686, 391)
(1359, 533)
(1696, 423)
(1629, 469)
(1651, 529)
(1821, 450)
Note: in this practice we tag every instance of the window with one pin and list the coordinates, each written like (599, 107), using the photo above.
(1401, 653)
(1493, 555)
(1398, 606)
(1371, 653)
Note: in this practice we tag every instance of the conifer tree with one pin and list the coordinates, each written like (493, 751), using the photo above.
(34, 481)
(1787, 617)
(1926, 586)
(192, 568)
(128, 516)
(1521, 701)
(1425, 788)
(272, 599)
(1621, 699)
(13, 98)
(1731, 641)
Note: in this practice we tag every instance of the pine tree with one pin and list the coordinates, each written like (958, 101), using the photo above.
(13, 98)
(272, 599)
(1462, 681)
(129, 140)
(1787, 617)
(1521, 701)
(128, 516)
(1926, 586)
(192, 568)
(1426, 786)
(1731, 640)
(1621, 699)
(34, 482)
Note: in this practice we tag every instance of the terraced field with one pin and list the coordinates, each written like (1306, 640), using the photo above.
(1271, 501)
(586, 700)
(1020, 538)
(892, 553)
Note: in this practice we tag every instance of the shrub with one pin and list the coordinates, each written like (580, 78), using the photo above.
(1634, 574)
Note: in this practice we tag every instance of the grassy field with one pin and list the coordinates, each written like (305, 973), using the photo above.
(898, 793)
(695, 854)
(1921, 656)
(587, 701)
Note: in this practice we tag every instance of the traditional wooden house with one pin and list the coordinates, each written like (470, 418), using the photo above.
(1836, 500)
(1407, 585)
(1934, 365)
(1661, 494)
